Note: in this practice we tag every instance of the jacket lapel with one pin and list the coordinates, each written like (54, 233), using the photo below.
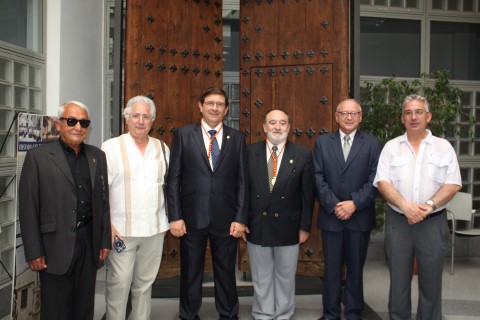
(287, 166)
(58, 158)
(261, 169)
(337, 148)
(355, 148)
(198, 137)
(226, 142)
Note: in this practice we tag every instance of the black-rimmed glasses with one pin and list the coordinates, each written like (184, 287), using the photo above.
(72, 122)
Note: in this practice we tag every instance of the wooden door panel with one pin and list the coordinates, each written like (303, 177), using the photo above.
(294, 56)
(173, 51)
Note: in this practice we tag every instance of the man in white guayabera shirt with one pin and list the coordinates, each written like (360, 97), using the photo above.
(417, 174)
(137, 164)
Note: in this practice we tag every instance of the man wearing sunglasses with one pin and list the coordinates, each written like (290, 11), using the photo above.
(65, 216)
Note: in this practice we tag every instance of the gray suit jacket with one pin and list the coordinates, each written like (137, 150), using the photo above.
(275, 218)
(48, 204)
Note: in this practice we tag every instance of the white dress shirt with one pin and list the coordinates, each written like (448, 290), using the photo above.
(137, 202)
(417, 177)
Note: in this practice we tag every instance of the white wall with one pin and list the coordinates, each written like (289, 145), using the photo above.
(74, 58)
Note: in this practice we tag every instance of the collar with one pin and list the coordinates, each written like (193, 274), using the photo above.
(207, 127)
(279, 146)
(66, 148)
(351, 135)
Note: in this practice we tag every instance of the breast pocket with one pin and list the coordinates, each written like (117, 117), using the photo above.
(399, 168)
(437, 167)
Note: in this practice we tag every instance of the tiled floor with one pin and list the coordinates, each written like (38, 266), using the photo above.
(461, 295)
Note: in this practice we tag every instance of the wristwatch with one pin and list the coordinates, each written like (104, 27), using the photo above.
(432, 204)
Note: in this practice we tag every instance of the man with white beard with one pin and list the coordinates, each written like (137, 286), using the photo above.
(280, 216)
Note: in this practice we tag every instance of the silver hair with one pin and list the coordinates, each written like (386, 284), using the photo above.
(143, 99)
(353, 100)
(61, 109)
(416, 97)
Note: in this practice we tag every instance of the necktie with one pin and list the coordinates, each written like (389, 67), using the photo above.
(272, 167)
(346, 146)
(215, 151)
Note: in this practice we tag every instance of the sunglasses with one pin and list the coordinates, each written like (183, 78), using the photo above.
(71, 122)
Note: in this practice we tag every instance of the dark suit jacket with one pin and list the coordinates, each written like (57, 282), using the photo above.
(201, 196)
(337, 180)
(48, 204)
(275, 218)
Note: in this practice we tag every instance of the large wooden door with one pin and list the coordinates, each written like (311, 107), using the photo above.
(294, 56)
(173, 50)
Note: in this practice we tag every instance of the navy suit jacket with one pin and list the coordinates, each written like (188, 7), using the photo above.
(48, 204)
(203, 197)
(339, 180)
(275, 218)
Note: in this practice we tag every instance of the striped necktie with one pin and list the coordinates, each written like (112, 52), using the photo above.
(215, 149)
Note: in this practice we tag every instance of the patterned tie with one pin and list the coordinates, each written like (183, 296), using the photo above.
(215, 152)
(346, 146)
(271, 167)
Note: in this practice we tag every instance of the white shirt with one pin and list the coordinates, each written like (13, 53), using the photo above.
(418, 177)
(137, 202)
(207, 137)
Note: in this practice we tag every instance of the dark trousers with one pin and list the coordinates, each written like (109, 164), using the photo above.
(349, 248)
(192, 253)
(71, 295)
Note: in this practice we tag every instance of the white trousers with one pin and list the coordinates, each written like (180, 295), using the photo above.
(134, 268)
(273, 276)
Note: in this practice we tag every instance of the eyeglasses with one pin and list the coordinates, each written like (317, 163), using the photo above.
(353, 114)
(137, 116)
(72, 122)
(418, 112)
(212, 103)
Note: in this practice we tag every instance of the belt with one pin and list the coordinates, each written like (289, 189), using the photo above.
(83, 222)
(431, 215)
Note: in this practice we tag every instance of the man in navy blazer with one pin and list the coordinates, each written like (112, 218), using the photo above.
(208, 200)
(280, 216)
(345, 163)
(65, 216)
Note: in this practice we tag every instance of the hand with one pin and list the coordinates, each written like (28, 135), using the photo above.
(345, 209)
(244, 235)
(303, 235)
(237, 229)
(178, 228)
(104, 254)
(413, 212)
(37, 264)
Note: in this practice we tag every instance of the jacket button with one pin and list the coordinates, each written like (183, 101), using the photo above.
(276, 214)
(264, 213)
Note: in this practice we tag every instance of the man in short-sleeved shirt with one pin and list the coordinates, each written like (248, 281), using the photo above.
(418, 174)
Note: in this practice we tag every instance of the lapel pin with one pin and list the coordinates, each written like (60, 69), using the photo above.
(291, 160)
(228, 137)
(93, 160)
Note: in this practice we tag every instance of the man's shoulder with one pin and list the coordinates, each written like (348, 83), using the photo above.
(92, 149)
(367, 136)
(297, 147)
(45, 147)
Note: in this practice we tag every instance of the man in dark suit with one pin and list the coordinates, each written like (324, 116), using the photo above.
(280, 216)
(345, 163)
(208, 200)
(65, 217)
